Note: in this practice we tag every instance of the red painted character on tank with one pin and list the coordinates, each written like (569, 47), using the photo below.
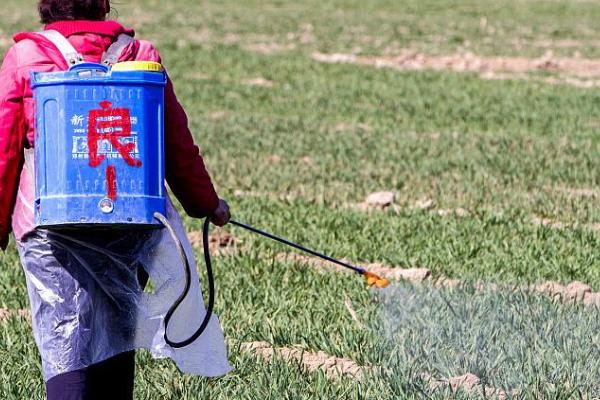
(112, 125)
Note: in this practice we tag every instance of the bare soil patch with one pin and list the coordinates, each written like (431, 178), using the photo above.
(573, 292)
(274, 158)
(345, 127)
(386, 200)
(577, 192)
(446, 212)
(569, 80)
(269, 48)
(217, 115)
(380, 199)
(247, 193)
(259, 82)
(308, 160)
(333, 367)
(470, 384)
(338, 367)
(575, 71)
(220, 242)
(423, 204)
(408, 274)
(416, 275)
(554, 224)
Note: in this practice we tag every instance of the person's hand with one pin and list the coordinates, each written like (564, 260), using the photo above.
(221, 216)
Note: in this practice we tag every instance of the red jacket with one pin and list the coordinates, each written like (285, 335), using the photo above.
(185, 171)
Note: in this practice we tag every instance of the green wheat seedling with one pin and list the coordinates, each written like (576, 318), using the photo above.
(321, 137)
(523, 343)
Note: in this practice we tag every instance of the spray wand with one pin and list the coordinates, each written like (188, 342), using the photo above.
(371, 278)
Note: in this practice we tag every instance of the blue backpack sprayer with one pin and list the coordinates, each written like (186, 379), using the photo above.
(99, 157)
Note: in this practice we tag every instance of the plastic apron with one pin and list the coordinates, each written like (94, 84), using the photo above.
(88, 303)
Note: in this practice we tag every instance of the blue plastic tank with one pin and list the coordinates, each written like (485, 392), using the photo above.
(99, 146)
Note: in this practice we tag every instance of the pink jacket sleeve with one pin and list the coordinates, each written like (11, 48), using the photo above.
(185, 170)
(12, 136)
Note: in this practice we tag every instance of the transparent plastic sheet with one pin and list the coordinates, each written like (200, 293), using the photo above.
(86, 289)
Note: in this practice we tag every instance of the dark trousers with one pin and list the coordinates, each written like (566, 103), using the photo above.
(111, 379)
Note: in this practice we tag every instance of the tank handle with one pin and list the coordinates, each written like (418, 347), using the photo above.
(90, 68)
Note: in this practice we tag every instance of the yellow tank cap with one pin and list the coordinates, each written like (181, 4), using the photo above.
(149, 66)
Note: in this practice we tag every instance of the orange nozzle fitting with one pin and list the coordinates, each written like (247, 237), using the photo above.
(375, 280)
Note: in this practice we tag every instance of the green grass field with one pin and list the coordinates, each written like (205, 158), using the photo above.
(506, 151)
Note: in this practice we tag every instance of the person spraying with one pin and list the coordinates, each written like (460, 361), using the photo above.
(86, 286)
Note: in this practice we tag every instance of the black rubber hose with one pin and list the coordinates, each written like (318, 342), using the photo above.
(188, 283)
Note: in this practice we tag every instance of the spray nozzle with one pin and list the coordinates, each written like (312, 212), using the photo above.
(376, 280)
